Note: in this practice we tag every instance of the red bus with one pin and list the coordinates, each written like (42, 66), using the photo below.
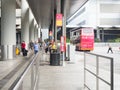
(85, 40)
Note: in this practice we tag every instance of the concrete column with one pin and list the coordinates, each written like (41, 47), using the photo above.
(31, 36)
(64, 18)
(102, 35)
(53, 25)
(36, 33)
(58, 11)
(64, 23)
(25, 22)
(31, 26)
(53, 18)
(8, 28)
(40, 34)
(58, 6)
(98, 34)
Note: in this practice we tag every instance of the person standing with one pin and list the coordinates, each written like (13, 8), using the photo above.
(109, 49)
(53, 47)
(36, 47)
(31, 45)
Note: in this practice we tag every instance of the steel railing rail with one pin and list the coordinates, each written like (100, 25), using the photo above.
(18, 82)
(111, 83)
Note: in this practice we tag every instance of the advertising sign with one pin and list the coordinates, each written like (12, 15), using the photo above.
(62, 44)
(58, 19)
(87, 38)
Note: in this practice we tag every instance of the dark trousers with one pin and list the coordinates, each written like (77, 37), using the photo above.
(36, 51)
(109, 50)
(46, 50)
(24, 51)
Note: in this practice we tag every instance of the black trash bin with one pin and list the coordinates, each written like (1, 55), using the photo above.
(55, 59)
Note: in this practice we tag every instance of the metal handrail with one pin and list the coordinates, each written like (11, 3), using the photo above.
(16, 85)
(111, 84)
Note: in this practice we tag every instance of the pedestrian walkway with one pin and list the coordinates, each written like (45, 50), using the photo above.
(11, 69)
(65, 77)
(68, 77)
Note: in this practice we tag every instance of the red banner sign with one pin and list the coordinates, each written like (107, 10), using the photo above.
(62, 44)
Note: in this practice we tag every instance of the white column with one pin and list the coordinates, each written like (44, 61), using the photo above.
(53, 26)
(36, 33)
(31, 36)
(8, 28)
(25, 22)
(31, 26)
(98, 34)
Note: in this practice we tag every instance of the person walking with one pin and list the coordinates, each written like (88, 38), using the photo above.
(31, 45)
(109, 49)
(36, 47)
(23, 47)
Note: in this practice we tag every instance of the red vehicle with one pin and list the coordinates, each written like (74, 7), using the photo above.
(85, 41)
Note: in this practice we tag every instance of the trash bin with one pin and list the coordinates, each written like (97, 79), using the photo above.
(55, 59)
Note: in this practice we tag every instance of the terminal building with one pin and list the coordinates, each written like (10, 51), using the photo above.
(103, 15)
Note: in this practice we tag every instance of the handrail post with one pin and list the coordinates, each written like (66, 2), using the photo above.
(97, 72)
(37, 86)
(111, 83)
(112, 74)
(32, 77)
(84, 69)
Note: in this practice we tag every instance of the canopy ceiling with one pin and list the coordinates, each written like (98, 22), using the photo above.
(42, 9)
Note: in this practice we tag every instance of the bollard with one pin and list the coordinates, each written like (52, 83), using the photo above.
(68, 52)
